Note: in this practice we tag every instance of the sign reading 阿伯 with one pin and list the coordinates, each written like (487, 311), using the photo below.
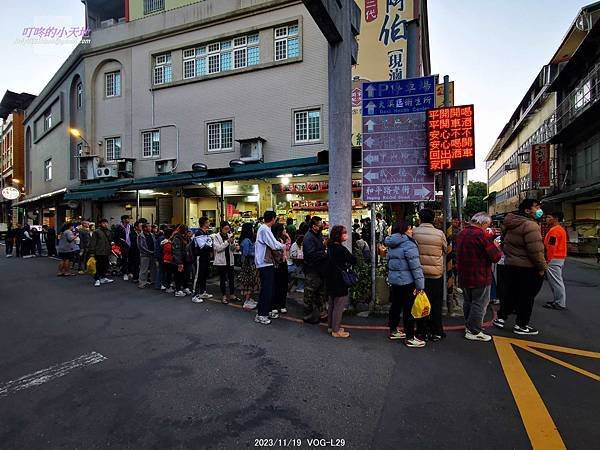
(540, 166)
(451, 138)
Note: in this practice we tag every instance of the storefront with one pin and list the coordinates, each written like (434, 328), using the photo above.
(293, 189)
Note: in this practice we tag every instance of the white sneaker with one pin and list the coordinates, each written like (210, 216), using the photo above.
(206, 295)
(197, 299)
(283, 311)
(187, 291)
(106, 281)
(97, 283)
(274, 314)
(415, 342)
(163, 288)
(250, 304)
(170, 290)
(263, 320)
(125, 278)
(481, 336)
(179, 294)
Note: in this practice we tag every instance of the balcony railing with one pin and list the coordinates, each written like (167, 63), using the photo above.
(578, 101)
(151, 6)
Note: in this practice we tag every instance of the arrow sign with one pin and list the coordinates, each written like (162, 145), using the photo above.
(369, 142)
(371, 107)
(422, 192)
(372, 176)
(370, 125)
(370, 159)
(370, 90)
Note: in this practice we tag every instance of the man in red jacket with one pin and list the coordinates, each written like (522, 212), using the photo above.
(555, 243)
(475, 254)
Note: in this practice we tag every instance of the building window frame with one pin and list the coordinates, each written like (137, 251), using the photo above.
(79, 95)
(47, 119)
(286, 42)
(151, 144)
(220, 136)
(163, 69)
(304, 132)
(112, 84)
(113, 148)
(48, 169)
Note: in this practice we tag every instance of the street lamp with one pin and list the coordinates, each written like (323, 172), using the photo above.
(77, 134)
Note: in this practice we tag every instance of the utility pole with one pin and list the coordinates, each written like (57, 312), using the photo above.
(447, 203)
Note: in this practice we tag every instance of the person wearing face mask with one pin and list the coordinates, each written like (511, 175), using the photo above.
(525, 265)
(475, 253)
(315, 270)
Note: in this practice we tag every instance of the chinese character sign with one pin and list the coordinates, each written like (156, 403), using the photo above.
(540, 166)
(451, 138)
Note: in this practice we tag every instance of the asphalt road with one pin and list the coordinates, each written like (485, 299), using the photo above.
(182, 375)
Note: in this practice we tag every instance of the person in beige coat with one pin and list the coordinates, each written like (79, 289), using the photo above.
(432, 248)
(223, 246)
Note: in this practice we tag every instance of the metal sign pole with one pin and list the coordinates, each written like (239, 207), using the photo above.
(447, 208)
(373, 257)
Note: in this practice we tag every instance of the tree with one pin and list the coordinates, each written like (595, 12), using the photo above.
(477, 190)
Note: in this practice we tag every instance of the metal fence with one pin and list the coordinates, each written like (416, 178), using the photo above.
(151, 6)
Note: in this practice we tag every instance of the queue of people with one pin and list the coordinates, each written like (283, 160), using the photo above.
(177, 261)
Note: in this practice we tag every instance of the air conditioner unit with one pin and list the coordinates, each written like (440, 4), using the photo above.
(164, 166)
(107, 23)
(107, 172)
(125, 167)
(87, 167)
(251, 150)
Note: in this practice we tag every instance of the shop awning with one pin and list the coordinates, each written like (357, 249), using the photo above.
(490, 197)
(40, 197)
(313, 165)
(584, 193)
(99, 194)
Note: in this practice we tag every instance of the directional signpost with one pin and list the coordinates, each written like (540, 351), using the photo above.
(395, 164)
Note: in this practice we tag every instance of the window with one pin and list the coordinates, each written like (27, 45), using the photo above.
(307, 125)
(79, 95)
(583, 95)
(220, 136)
(287, 44)
(113, 148)
(47, 120)
(223, 56)
(113, 84)
(151, 6)
(150, 144)
(163, 69)
(48, 170)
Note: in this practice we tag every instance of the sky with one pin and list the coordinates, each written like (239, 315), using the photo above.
(491, 49)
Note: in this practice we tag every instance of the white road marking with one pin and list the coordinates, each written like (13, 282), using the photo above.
(51, 373)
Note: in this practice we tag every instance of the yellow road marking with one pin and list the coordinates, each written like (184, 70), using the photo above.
(539, 425)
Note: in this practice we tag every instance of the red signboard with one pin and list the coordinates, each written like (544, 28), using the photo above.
(540, 166)
(356, 97)
(370, 10)
(451, 138)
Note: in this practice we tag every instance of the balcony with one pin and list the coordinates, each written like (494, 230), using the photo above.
(580, 100)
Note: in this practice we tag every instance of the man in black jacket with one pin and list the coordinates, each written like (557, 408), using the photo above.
(315, 268)
(124, 239)
(50, 240)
